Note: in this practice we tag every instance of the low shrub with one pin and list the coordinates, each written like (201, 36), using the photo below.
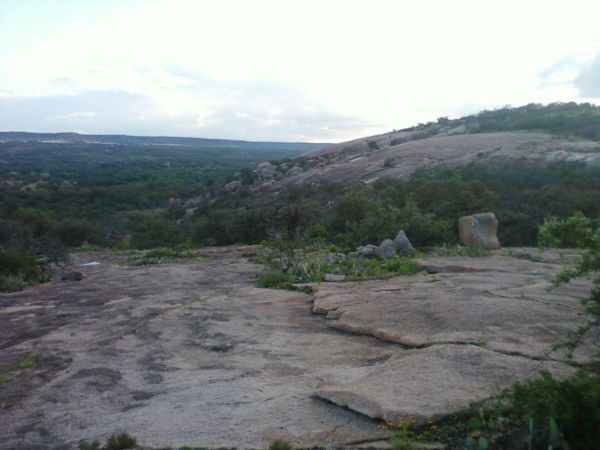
(280, 444)
(558, 412)
(12, 283)
(120, 442)
(274, 279)
(574, 231)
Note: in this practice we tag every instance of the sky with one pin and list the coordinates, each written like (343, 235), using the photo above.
(279, 70)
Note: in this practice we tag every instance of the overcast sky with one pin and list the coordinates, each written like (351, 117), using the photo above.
(286, 70)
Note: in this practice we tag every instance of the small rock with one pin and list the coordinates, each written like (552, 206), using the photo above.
(402, 244)
(387, 249)
(73, 275)
(334, 258)
(334, 277)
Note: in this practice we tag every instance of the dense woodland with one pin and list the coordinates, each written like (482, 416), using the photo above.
(68, 191)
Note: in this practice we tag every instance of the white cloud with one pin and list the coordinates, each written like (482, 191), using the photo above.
(284, 70)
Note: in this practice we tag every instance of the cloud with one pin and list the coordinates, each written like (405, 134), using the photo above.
(588, 80)
(202, 108)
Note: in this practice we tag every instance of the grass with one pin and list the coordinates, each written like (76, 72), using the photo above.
(26, 363)
(161, 256)
(4, 379)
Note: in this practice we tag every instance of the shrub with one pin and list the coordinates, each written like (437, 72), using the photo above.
(388, 163)
(402, 440)
(120, 442)
(94, 445)
(574, 231)
(554, 410)
(280, 444)
(273, 279)
(12, 283)
(402, 266)
(17, 263)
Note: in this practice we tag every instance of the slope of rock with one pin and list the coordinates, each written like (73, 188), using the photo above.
(398, 155)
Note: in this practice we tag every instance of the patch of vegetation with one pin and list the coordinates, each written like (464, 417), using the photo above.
(280, 444)
(558, 412)
(120, 442)
(162, 256)
(26, 363)
(573, 231)
(4, 379)
(93, 445)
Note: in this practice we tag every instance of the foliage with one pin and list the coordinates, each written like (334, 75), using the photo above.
(12, 283)
(589, 264)
(161, 256)
(93, 445)
(402, 440)
(573, 231)
(121, 441)
(280, 444)
(274, 279)
(556, 411)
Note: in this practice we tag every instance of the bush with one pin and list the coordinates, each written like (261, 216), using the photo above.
(274, 279)
(94, 445)
(574, 231)
(12, 283)
(120, 442)
(554, 410)
(388, 163)
(280, 444)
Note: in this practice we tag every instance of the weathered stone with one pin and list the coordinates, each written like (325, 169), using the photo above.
(334, 277)
(387, 249)
(368, 251)
(479, 230)
(334, 258)
(500, 302)
(402, 244)
(73, 275)
(434, 382)
(233, 186)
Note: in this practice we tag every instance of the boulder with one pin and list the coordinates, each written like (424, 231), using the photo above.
(387, 249)
(266, 170)
(334, 258)
(368, 251)
(73, 275)
(402, 244)
(479, 230)
(233, 186)
(296, 170)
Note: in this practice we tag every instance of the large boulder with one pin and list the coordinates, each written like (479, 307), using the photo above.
(402, 244)
(387, 249)
(479, 230)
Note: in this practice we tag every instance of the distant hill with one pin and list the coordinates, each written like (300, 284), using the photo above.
(7, 136)
(556, 132)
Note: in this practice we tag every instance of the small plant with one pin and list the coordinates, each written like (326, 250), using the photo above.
(388, 163)
(26, 363)
(94, 445)
(4, 379)
(280, 444)
(120, 442)
(402, 440)
(274, 279)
